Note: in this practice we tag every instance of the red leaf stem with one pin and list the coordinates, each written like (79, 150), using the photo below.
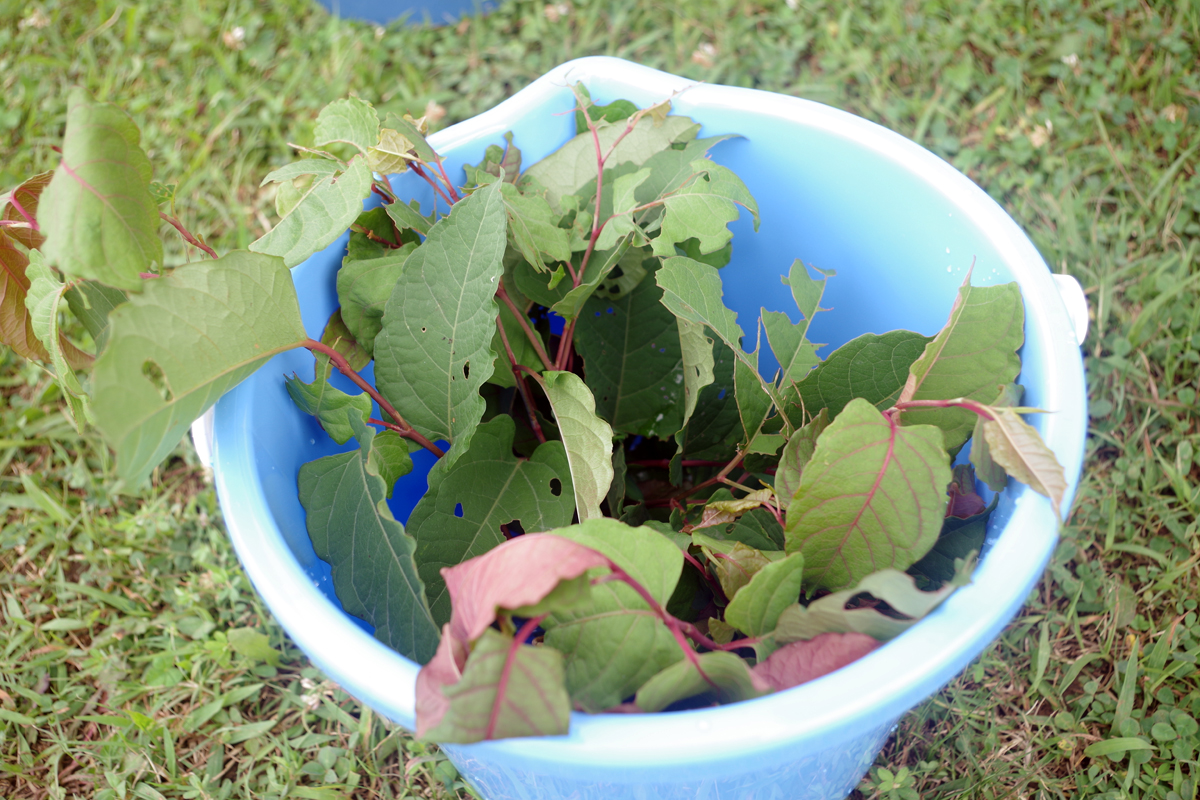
(339, 361)
(962, 402)
(534, 339)
(415, 167)
(522, 387)
(665, 463)
(564, 346)
(12, 199)
(449, 184)
(506, 672)
(187, 235)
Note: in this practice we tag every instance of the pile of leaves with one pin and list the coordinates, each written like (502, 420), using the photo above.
(625, 513)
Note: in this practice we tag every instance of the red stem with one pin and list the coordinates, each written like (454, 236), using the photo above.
(506, 672)
(970, 405)
(720, 476)
(665, 463)
(404, 429)
(449, 184)
(522, 387)
(415, 167)
(534, 339)
(564, 345)
(187, 236)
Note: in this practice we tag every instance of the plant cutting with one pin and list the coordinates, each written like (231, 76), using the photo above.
(765, 525)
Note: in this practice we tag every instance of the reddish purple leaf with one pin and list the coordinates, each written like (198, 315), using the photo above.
(20, 206)
(801, 662)
(520, 572)
(444, 669)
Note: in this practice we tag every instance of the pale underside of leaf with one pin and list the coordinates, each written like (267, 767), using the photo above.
(725, 675)
(98, 215)
(873, 496)
(206, 328)
(587, 437)
(1019, 449)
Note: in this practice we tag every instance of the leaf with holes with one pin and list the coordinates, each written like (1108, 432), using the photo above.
(633, 361)
(872, 497)
(973, 355)
(98, 216)
(434, 349)
(507, 689)
(206, 328)
(587, 438)
(371, 555)
(461, 514)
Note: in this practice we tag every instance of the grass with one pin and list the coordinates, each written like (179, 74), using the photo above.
(137, 661)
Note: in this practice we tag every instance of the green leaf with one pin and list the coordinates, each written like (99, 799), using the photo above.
(533, 228)
(670, 169)
(434, 350)
(252, 644)
(633, 361)
(408, 215)
(758, 529)
(796, 455)
(587, 437)
(715, 428)
(43, 303)
(363, 289)
(695, 212)
(570, 168)
(500, 162)
(796, 355)
(1018, 448)
(754, 403)
(374, 573)
(601, 265)
(339, 337)
(873, 367)
(830, 615)
(392, 153)
(960, 537)
(324, 212)
(621, 223)
(332, 407)
(98, 216)
(872, 497)
(724, 675)
(505, 691)
(613, 112)
(973, 355)
(734, 563)
(206, 327)
(91, 303)
(614, 644)
(693, 292)
(390, 458)
(461, 514)
(756, 607)
(349, 120)
(806, 291)
(616, 490)
(696, 353)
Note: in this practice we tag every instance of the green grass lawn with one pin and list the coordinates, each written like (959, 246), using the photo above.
(136, 659)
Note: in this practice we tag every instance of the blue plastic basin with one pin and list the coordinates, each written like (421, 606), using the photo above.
(901, 227)
(436, 12)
